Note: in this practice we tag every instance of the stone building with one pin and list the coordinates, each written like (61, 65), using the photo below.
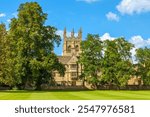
(71, 50)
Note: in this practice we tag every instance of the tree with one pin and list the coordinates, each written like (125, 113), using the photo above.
(5, 58)
(90, 58)
(117, 64)
(2, 49)
(32, 46)
(143, 65)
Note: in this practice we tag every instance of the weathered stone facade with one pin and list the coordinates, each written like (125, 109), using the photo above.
(71, 50)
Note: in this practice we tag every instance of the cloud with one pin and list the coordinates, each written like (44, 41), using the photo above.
(87, 1)
(139, 42)
(61, 32)
(112, 16)
(8, 20)
(106, 36)
(15, 14)
(133, 6)
(2, 14)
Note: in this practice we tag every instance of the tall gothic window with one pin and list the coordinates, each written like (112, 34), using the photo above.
(69, 49)
(77, 48)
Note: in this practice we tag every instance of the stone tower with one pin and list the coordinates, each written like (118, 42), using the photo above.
(71, 44)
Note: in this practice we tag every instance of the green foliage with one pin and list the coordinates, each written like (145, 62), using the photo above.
(117, 66)
(107, 62)
(90, 58)
(5, 58)
(2, 51)
(31, 58)
(143, 66)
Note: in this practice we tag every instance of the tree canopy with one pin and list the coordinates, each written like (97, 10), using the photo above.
(90, 58)
(2, 51)
(117, 63)
(106, 62)
(32, 59)
(143, 65)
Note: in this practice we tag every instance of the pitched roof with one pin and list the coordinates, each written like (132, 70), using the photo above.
(64, 59)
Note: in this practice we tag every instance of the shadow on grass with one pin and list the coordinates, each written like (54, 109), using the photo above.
(43, 91)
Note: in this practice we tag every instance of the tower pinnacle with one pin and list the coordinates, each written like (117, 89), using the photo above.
(72, 33)
(80, 33)
(65, 33)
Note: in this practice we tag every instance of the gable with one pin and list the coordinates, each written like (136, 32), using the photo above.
(73, 60)
(64, 59)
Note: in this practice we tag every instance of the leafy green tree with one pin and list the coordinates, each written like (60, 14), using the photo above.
(117, 64)
(143, 66)
(5, 58)
(90, 58)
(32, 46)
(2, 49)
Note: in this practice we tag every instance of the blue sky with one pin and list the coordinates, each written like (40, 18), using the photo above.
(108, 18)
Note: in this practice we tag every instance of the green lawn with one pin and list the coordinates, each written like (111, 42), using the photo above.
(75, 95)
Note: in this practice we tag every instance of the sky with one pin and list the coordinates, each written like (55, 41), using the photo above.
(108, 18)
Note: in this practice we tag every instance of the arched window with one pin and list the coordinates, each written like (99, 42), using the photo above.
(69, 48)
(77, 48)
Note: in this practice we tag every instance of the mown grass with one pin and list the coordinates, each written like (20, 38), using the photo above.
(75, 95)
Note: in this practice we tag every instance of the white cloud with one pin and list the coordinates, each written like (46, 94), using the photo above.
(2, 14)
(61, 32)
(133, 53)
(87, 1)
(133, 6)
(8, 20)
(106, 36)
(139, 42)
(112, 16)
(15, 14)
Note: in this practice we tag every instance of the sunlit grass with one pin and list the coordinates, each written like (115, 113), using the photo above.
(75, 95)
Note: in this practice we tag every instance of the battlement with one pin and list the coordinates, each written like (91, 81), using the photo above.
(72, 36)
(71, 45)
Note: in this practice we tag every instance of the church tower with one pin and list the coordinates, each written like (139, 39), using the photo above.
(71, 45)
(71, 51)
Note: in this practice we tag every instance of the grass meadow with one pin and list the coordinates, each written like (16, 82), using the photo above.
(75, 95)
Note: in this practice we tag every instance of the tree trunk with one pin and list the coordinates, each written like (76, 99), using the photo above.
(38, 84)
